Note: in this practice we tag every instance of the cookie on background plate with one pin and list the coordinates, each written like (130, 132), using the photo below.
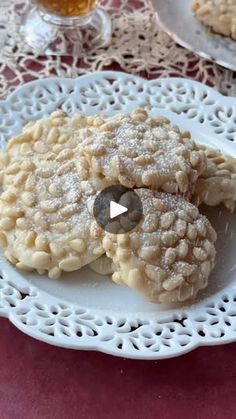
(219, 15)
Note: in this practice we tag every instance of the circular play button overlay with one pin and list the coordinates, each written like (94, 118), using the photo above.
(117, 209)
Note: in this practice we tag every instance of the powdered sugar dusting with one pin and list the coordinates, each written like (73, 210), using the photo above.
(133, 149)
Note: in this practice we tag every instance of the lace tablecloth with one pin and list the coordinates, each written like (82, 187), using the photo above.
(138, 46)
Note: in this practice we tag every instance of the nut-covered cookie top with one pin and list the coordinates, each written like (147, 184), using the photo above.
(170, 254)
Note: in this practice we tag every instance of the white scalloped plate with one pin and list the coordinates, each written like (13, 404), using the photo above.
(86, 311)
(177, 19)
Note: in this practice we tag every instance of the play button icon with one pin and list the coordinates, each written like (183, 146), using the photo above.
(117, 209)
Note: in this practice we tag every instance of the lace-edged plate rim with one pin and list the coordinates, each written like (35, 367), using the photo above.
(144, 332)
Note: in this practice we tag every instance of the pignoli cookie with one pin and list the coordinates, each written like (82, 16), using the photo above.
(138, 151)
(171, 253)
(45, 222)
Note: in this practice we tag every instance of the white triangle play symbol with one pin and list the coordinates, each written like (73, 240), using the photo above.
(116, 209)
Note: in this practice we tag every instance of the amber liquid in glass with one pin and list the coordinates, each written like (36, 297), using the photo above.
(67, 8)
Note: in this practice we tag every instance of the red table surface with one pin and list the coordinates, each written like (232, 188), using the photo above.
(42, 381)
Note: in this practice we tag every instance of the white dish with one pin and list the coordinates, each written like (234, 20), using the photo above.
(86, 311)
(177, 19)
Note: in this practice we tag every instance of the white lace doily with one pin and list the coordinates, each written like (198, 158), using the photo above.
(138, 46)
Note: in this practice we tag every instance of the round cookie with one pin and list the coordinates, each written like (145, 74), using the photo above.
(138, 151)
(46, 190)
(171, 253)
(45, 221)
(48, 139)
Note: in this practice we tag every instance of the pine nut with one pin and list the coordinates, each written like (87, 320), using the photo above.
(63, 138)
(22, 224)
(30, 184)
(57, 250)
(10, 257)
(40, 147)
(65, 155)
(54, 190)
(27, 166)
(13, 212)
(30, 239)
(170, 256)
(53, 136)
(50, 206)
(70, 210)
(199, 254)
(40, 220)
(13, 169)
(41, 243)
(25, 149)
(173, 282)
(78, 245)
(135, 279)
(54, 273)
(28, 198)
(38, 131)
(70, 264)
(41, 260)
(167, 220)
(155, 273)
(20, 179)
(9, 196)
(61, 227)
